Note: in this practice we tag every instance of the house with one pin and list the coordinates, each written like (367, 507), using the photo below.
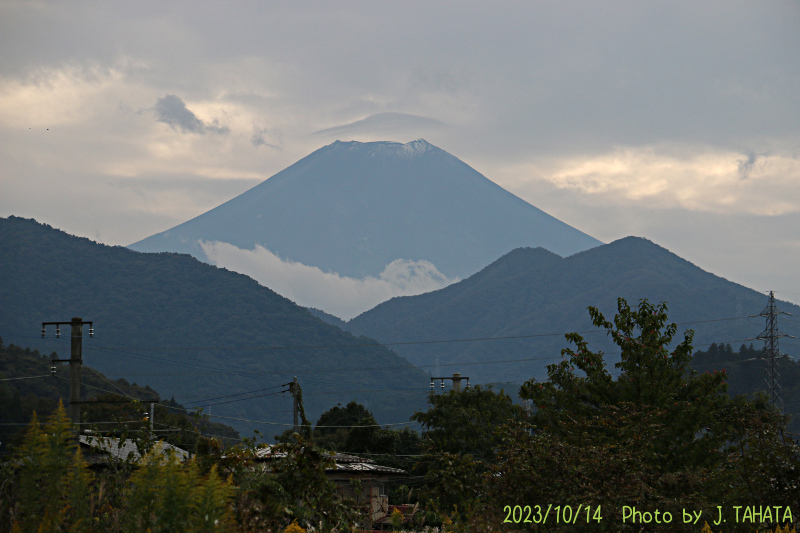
(348, 468)
(98, 450)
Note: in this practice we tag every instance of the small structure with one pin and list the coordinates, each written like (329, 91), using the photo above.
(98, 450)
(347, 468)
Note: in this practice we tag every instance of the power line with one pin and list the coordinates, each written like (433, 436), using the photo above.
(239, 400)
(398, 343)
(27, 377)
(108, 381)
(239, 394)
(292, 425)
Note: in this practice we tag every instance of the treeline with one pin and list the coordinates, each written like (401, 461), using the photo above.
(745, 369)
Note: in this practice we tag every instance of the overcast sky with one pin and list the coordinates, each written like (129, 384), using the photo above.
(675, 121)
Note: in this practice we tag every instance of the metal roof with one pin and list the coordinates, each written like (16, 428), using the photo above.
(342, 462)
(128, 450)
(367, 467)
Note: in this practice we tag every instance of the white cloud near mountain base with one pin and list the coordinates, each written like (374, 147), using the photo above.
(338, 295)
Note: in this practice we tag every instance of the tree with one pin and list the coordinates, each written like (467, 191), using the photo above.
(654, 381)
(462, 433)
(660, 436)
(52, 481)
(467, 422)
(292, 487)
(327, 435)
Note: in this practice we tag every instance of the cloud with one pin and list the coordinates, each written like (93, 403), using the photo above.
(384, 123)
(540, 96)
(311, 287)
(171, 110)
(56, 97)
(257, 139)
(746, 165)
(717, 181)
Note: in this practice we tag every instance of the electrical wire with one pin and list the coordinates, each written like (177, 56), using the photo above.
(27, 377)
(212, 369)
(239, 394)
(145, 400)
(238, 400)
(109, 382)
(292, 425)
(397, 343)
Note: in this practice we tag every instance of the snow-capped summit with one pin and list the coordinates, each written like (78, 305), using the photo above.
(387, 148)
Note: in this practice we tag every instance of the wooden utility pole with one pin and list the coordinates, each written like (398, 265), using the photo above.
(296, 409)
(75, 361)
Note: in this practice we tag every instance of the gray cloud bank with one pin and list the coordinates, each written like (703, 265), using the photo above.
(171, 110)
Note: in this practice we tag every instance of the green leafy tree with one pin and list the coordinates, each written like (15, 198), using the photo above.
(467, 422)
(463, 431)
(654, 381)
(660, 436)
(335, 427)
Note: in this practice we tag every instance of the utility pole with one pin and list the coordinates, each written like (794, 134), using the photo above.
(75, 361)
(296, 408)
(456, 378)
(772, 353)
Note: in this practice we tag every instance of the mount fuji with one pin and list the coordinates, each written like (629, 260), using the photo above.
(410, 216)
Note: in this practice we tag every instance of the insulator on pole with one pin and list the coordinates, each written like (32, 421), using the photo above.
(58, 332)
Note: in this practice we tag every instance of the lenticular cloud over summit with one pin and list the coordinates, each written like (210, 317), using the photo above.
(309, 286)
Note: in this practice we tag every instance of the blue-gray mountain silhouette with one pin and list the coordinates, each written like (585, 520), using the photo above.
(531, 297)
(353, 208)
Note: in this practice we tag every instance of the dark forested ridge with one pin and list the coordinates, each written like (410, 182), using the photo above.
(327, 317)
(745, 371)
(192, 330)
(531, 291)
(40, 391)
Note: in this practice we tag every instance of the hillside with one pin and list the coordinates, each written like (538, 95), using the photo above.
(192, 330)
(353, 208)
(27, 386)
(530, 292)
(745, 371)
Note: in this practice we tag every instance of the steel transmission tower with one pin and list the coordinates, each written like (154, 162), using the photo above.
(772, 353)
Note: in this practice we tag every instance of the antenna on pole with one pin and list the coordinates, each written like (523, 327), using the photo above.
(772, 353)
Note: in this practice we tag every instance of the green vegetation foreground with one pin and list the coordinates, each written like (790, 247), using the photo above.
(657, 439)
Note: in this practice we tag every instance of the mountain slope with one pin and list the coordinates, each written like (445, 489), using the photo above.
(353, 208)
(20, 398)
(533, 292)
(192, 330)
